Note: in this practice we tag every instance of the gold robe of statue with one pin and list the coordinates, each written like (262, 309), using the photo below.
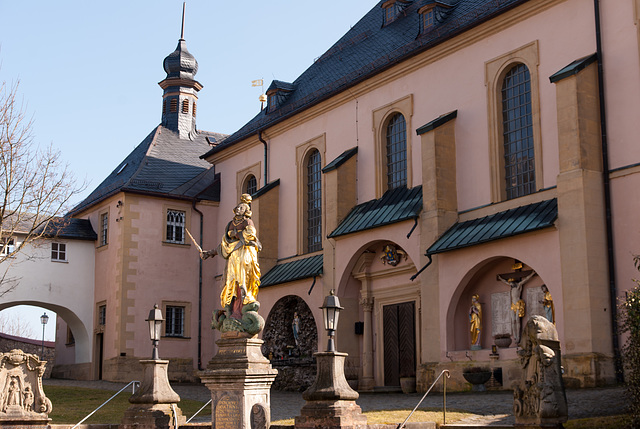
(239, 247)
(475, 320)
(242, 267)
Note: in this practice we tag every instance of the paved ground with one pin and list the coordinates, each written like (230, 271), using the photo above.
(490, 407)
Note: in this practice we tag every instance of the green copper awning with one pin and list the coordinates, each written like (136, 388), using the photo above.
(394, 206)
(294, 270)
(499, 225)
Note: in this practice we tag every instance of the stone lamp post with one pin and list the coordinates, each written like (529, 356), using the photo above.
(330, 401)
(154, 404)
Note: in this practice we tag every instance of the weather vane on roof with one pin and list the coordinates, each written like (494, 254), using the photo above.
(263, 97)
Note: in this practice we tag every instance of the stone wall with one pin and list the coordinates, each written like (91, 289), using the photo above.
(125, 369)
(10, 342)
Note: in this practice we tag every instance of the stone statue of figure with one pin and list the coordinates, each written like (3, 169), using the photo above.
(28, 399)
(517, 304)
(539, 398)
(14, 396)
(239, 246)
(295, 327)
(475, 322)
(547, 304)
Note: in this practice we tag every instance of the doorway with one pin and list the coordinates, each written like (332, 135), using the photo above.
(399, 342)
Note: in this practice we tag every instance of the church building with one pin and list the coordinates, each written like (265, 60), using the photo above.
(448, 167)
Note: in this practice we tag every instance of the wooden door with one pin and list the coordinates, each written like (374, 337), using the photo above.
(399, 339)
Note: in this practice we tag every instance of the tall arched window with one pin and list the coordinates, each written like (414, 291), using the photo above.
(517, 125)
(250, 185)
(314, 202)
(396, 152)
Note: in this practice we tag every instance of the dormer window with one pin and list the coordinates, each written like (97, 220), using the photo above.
(272, 102)
(427, 18)
(434, 13)
(277, 94)
(392, 9)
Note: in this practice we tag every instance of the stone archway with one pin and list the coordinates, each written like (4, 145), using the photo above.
(294, 360)
(387, 342)
(76, 325)
(495, 302)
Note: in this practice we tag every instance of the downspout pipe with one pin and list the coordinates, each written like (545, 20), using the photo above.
(193, 205)
(413, 277)
(266, 169)
(613, 293)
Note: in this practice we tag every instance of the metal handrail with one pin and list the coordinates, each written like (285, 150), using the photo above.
(444, 399)
(198, 412)
(105, 402)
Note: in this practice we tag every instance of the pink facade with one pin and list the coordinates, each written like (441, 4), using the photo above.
(457, 162)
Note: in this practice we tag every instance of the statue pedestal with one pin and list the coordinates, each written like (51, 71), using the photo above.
(239, 378)
(331, 403)
(153, 406)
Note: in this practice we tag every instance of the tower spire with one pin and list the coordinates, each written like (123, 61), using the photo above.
(184, 6)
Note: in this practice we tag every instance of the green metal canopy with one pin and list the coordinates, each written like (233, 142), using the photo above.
(294, 270)
(394, 206)
(504, 224)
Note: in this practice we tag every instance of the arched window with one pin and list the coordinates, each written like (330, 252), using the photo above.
(250, 185)
(173, 105)
(517, 125)
(194, 110)
(185, 106)
(314, 202)
(396, 152)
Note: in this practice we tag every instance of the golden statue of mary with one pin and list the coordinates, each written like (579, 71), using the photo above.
(239, 246)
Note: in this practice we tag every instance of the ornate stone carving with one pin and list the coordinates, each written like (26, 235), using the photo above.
(392, 255)
(259, 417)
(21, 394)
(539, 399)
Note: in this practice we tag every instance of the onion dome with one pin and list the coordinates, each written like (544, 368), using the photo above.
(180, 63)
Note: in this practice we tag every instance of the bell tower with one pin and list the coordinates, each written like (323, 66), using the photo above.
(179, 100)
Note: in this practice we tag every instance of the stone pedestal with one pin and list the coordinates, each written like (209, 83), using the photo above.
(23, 403)
(330, 401)
(240, 379)
(154, 405)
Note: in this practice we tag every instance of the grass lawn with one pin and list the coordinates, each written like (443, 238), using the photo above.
(72, 404)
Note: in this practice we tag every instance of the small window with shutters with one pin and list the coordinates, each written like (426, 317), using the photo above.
(185, 106)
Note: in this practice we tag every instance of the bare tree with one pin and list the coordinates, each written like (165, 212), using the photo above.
(15, 325)
(35, 186)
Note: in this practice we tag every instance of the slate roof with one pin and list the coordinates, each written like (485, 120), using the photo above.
(508, 223)
(394, 206)
(71, 228)
(367, 49)
(162, 164)
(294, 270)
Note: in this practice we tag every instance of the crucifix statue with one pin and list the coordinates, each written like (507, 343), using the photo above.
(516, 282)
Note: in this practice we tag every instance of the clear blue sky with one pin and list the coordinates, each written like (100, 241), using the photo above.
(89, 70)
